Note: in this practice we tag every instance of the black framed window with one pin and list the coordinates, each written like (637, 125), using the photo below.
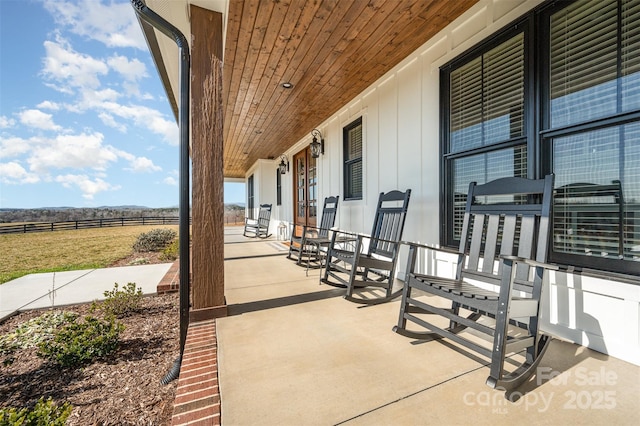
(250, 197)
(591, 132)
(485, 108)
(278, 187)
(352, 142)
(575, 113)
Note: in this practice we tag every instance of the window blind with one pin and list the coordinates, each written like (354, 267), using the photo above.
(487, 97)
(353, 160)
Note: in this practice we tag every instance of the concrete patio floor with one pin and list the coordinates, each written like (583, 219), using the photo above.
(293, 352)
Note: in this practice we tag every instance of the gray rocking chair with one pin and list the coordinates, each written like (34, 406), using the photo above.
(504, 239)
(376, 266)
(259, 227)
(310, 239)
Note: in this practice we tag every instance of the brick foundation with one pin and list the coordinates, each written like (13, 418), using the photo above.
(198, 395)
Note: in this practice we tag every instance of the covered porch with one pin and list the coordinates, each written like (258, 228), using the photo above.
(294, 352)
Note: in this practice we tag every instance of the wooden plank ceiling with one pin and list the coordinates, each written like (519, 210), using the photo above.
(330, 50)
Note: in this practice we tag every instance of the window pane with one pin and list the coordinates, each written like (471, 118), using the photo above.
(353, 176)
(631, 191)
(487, 97)
(482, 168)
(352, 135)
(354, 149)
(466, 106)
(630, 56)
(596, 201)
(583, 62)
(250, 198)
(504, 91)
(278, 187)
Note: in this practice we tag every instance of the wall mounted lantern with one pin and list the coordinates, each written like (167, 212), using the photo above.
(317, 148)
(284, 164)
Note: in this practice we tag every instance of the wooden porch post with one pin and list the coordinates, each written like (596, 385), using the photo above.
(206, 154)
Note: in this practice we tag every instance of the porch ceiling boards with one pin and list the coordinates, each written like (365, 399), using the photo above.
(329, 50)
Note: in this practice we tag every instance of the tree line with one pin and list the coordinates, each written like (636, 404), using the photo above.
(233, 213)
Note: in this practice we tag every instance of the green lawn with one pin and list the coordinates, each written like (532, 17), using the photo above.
(24, 254)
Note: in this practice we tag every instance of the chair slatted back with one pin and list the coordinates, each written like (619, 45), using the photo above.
(328, 219)
(389, 223)
(509, 216)
(264, 215)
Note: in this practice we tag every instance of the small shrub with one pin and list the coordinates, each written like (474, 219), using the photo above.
(154, 240)
(44, 413)
(171, 251)
(139, 261)
(82, 342)
(122, 303)
(31, 333)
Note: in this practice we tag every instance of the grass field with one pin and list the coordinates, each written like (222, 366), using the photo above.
(24, 254)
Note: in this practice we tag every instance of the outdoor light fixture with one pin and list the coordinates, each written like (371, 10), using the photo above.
(317, 148)
(287, 85)
(284, 164)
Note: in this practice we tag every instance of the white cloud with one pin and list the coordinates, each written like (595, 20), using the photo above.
(108, 120)
(6, 122)
(13, 172)
(170, 180)
(53, 106)
(146, 117)
(66, 67)
(113, 24)
(143, 165)
(72, 151)
(38, 119)
(13, 146)
(131, 70)
(88, 187)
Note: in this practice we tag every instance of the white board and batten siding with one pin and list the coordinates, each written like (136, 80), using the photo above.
(401, 148)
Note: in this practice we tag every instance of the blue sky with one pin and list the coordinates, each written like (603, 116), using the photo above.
(84, 119)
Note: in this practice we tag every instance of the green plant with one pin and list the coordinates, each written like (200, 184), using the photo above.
(171, 251)
(81, 342)
(139, 261)
(31, 333)
(122, 303)
(44, 413)
(154, 240)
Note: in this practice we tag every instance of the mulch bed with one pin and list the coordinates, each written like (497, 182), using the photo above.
(124, 389)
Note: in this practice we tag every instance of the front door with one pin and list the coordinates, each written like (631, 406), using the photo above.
(305, 189)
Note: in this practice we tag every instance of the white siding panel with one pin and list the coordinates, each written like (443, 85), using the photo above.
(409, 168)
(387, 124)
(469, 27)
(401, 115)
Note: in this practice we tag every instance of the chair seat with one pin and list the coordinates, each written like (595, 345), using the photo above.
(461, 288)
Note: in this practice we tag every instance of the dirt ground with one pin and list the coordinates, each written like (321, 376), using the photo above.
(124, 389)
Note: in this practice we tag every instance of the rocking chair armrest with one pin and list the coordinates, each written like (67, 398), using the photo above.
(429, 247)
(308, 230)
(530, 262)
(380, 239)
(340, 235)
(317, 229)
